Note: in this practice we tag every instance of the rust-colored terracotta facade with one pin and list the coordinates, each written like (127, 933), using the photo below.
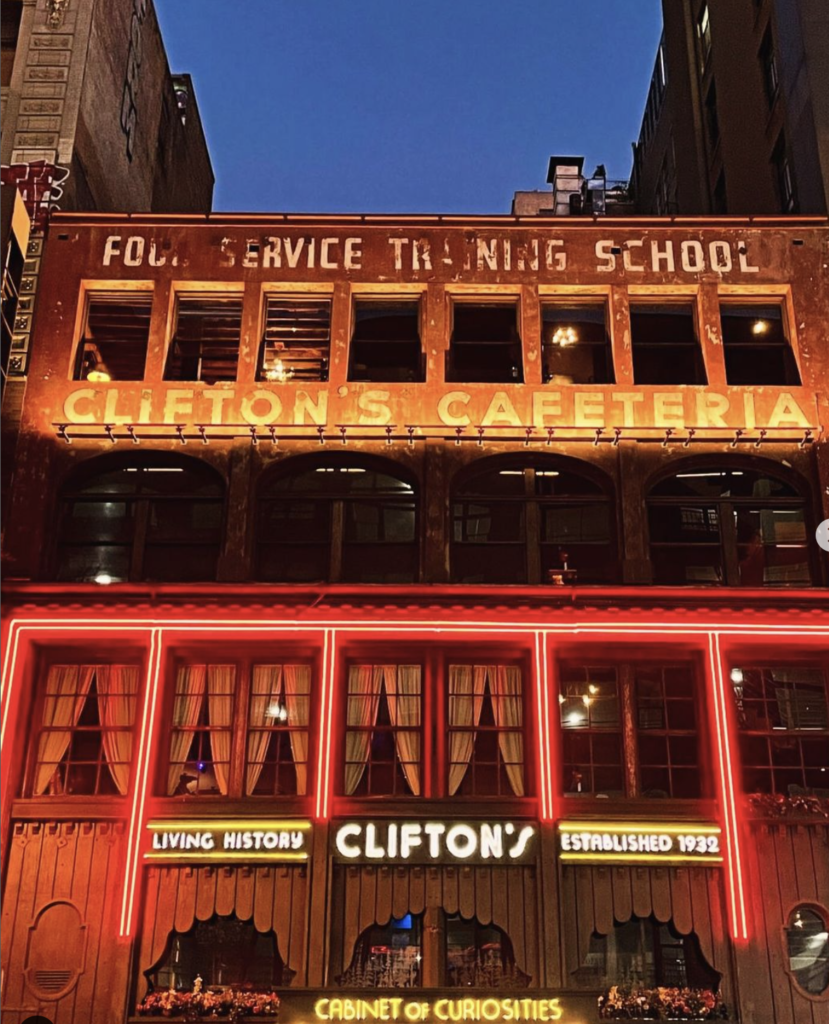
(443, 643)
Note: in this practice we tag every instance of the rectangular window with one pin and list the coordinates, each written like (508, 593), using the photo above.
(660, 739)
(576, 343)
(277, 742)
(385, 346)
(85, 739)
(202, 734)
(297, 340)
(704, 37)
(768, 63)
(757, 350)
(784, 177)
(205, 345)
(486, 731)
(666, 349)
(783, 727)
(116, 330)
(383, 731)
(485, 346)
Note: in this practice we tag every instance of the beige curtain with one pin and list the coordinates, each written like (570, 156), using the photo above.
(361, 712)
(266, 689)
(221, 681)
(505, 690)
(402, 683)
(117, 686)
(297, 690)
(466, 689)
(186, 711)
(67, 687)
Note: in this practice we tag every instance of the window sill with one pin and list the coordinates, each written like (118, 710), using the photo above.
(72, 808)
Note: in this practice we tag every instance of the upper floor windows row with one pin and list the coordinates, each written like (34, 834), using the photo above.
(386, 340)
(429, 723)
(519, 519)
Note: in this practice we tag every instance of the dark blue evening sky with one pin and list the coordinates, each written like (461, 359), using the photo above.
(401, 106)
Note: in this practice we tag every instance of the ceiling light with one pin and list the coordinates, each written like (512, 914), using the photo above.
(760, 327)
(99, 376)
(736, 675)
(565, 336)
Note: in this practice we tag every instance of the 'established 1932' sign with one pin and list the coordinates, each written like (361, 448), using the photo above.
(435, 842)
(629, 843)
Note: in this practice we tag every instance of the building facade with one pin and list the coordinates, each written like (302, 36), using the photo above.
(419, 619)
(737, 116)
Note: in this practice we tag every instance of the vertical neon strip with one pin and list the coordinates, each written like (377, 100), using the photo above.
(139, 796)
(9, 669)
(543, 738)
(731, 825)
(326, 725)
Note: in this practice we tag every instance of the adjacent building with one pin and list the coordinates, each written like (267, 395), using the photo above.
(419, 619)
(737, 116)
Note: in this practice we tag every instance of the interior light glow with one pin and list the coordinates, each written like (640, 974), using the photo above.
(103, 578)
(98, 377)
(277, 711)
(736, 675)
(575, 718)
(760, 327)
(565, 336)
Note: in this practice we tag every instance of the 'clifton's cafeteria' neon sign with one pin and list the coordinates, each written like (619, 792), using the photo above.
(435, 842)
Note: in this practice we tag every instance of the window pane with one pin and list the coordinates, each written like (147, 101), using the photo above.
(665, 346)
(296, 343)
(576, 345)
(485, 344)
(386, 956)
(480, 956)
(114, 344)
(591, 726)
(757, 350)
(385, 345)
(206, 342)
(201, 734)
(807, 937)
(277, 739)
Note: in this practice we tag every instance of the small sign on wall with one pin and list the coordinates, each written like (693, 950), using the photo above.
(238, 841)
(591, 842)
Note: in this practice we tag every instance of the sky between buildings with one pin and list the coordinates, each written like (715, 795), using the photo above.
(409, 106)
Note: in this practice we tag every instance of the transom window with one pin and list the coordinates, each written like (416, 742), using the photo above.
(149, 516)
(337, 519)
(783, 726)
(659, 747)
(728, 526)
(217, 709)
(84, 745)
(528, 521)
(297, 339)
(205, 343)
(756, 348)
(576, 343)
(115, 335)
(485, 345)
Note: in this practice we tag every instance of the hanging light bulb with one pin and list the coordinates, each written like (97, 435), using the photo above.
(278, 372)
(760, 327)
(565, 336)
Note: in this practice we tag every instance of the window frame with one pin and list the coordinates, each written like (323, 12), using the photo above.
(276, 653)
(306, 296)
(821, 911)
(110, 293)
(573, 302)
(415, 299)
(788, 346)
(471, 299)
(207, 293)
(690, 302)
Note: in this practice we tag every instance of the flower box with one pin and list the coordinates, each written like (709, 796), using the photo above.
(200, 1005)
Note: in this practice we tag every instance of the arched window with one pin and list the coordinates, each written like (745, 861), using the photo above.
(524, 520)
(728, 526)
(807, 946)
(387, 956)
(148, 516)
(337, 519)
(480, 956)
(224, 952)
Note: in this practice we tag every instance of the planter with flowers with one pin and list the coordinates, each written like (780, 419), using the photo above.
(661, 1004)
(197, 1005)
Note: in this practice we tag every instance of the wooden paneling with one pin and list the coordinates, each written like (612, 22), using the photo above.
(81, 864)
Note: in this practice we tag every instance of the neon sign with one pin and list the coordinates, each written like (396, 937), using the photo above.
(228, 841)
(435, 842)
(624, 843)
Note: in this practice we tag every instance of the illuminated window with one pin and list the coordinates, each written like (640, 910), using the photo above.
(386, 345)
(383, 731)
(486, 731)
(225, 953)
(485, 346)
(728, 527)
(205, 344)
(338, 519)
(84, 744)
(146, 516)
(115, 335)
(644, 953)
(807, 941)
(665, 346)
(480, 956)
(387, 956)
(297, 339)
(783, 728)
(218, 708)
(576, 344)
(757, 350)
(530, 520)
(660, 745)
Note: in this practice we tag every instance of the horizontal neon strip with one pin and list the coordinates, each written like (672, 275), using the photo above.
(589, 826)
(238, 825)
(228, 855)
(638, 858)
